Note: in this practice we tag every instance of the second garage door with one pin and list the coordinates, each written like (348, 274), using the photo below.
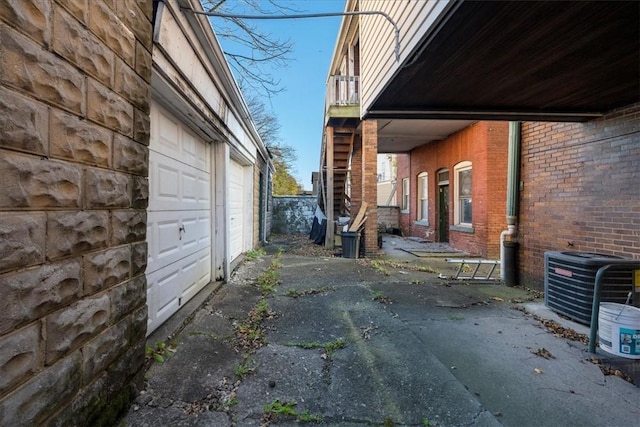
(236, 209)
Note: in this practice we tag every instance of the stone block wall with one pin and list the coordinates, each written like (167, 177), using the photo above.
(74, 134)
(388, 218)
(580, 189)
(293, 214)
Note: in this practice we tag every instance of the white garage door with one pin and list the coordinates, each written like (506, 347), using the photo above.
(179, 217)
(236, 209)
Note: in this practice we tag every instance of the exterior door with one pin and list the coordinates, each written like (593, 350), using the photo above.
(236, 209)
(178, 216)
(443, 213)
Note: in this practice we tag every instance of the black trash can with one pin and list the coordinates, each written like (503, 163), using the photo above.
(350, 244)
(510, 263)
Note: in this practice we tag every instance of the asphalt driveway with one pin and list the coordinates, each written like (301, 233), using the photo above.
(295, 339)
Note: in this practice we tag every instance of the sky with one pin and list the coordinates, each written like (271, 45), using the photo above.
(299, 108)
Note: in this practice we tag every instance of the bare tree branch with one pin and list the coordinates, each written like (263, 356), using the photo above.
(254, 54)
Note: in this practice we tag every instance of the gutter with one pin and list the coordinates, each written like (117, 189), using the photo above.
(508, 238)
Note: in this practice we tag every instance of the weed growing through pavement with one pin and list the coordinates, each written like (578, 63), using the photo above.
(379, 266)
(294, 293)
(276, 410)
(329, 348)
(245, 368)
(161, 352)
(381, 297)
(383, 265)
(268, 280)
(255, 254)
(249, 335)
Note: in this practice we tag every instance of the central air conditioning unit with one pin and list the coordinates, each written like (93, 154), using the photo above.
(570, 277)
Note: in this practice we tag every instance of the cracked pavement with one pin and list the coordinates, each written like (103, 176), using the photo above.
(420, 350)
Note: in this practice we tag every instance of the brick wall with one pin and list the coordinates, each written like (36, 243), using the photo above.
(74, 130)
(581, 189)
(369, 192)
(485, 145)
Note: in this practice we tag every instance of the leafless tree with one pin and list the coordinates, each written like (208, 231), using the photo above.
(252, 52)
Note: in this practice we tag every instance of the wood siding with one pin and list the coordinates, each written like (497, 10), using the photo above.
(414, 20)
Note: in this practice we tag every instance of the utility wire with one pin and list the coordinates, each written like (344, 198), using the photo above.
(309, 15)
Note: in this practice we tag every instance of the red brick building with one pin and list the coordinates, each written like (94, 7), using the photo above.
(438, 205)
(580, 189)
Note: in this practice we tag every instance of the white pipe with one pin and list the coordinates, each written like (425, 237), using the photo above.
(510, 231)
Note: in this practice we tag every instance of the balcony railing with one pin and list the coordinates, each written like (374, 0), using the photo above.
(343, 90)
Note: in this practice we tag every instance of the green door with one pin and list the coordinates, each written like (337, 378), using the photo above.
(443, 214)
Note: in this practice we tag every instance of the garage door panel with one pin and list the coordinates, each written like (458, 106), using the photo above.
(161, 298)
(176, 186)
(194, 153)
(172, 244)
(167, 135)
(201, 274)
(172, 286)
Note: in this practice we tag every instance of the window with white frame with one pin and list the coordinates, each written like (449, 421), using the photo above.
(423, 194)
(405, 194)
(463, 192)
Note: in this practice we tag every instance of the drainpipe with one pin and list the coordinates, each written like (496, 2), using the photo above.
(508, 238)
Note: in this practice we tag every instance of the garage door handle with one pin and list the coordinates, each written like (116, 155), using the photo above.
(180, 231)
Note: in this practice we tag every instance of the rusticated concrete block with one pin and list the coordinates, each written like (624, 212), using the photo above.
(76, 232)
(29, 16)
(141, 127)
(68, 329)
(108, 108)
(39, 72)
(30, 181)
(138, 258)
(107, 268)
(146, 6)
(35, 401)
(22, 239)
(79, 140)
(128, 226)
(135, 18)
(143, 62)
(127, 297)
(106, 189)
(30, 294)
(130, 156)
(72, 41)
(140, 197)
(104, 23)
(19, 355)
(115, 388)
(104, 349)
(131, 86)
(77, 8)
(23, 123)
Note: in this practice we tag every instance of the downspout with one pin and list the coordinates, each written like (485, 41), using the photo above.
(508, 264)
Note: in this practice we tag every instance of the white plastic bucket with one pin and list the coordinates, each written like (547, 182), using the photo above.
(619, 329)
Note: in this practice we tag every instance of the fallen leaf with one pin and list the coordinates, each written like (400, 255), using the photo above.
(543, 352)
(497, 299)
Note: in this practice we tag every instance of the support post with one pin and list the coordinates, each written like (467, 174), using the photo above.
(329, 237)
